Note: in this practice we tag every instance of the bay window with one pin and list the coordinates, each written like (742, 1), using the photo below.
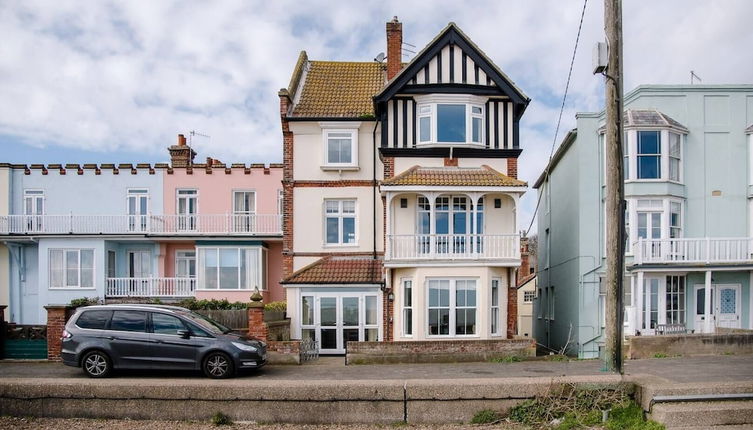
(340, 222)
(71, 268)
(674, 157)
(450, 120)
(452, 307)
(652, 155)
(230, 268)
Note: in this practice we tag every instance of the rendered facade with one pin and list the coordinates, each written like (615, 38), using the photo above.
(689, 252)
(401, 194)
(120, 232)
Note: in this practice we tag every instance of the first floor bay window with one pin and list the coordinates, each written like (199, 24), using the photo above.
(71, 268)
(452, 307)
(450, 120)
(231, 268)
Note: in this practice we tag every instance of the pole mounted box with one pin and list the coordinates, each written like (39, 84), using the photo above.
(600, 57)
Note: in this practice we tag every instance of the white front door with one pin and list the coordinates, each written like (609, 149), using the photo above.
(728, 306)
(333, 319)
(699, 318)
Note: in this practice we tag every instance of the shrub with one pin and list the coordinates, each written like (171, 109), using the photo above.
(507, 359)
(629, 416)
(213, 304)
(486, 416)
(220, 419)
(660, 355)
(280, 306)
(84, 301)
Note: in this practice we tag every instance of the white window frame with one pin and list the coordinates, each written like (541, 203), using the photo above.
(452, 308)
(181, 255)
(670, 157)
(427, 106)
(261, 272)
(665, 209)
(353, 163)
(64, 269)
(280, 201)
(407, 306)
(529, 296)
(495, 317)
(340, 215)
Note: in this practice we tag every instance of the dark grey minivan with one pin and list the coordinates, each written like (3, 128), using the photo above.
(102, 338)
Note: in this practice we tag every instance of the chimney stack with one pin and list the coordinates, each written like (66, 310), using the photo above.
(525, 264)
(181, 155)
(394, 47)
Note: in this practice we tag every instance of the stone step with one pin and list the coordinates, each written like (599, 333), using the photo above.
(704, 414)
(725, 427)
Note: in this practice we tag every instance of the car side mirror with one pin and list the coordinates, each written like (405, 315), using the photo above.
(185, 334)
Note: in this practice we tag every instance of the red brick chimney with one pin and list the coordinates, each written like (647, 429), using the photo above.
(394, 47)
(181, 155)
(525, 265)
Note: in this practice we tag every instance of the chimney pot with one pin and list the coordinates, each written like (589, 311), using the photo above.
(181, 140)
(394, 47)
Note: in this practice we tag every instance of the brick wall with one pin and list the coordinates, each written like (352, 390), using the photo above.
(256, 326)
(394, 47)
(442, 351)
(286, 352)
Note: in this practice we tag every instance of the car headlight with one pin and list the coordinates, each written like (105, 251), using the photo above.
(244, 347)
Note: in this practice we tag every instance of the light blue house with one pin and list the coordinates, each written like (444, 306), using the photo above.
(67, 226)
(688, 186)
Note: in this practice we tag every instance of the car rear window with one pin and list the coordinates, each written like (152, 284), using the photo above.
(128, 321)
(96, 320)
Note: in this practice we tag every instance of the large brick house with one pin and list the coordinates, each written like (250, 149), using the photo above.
(400, 193)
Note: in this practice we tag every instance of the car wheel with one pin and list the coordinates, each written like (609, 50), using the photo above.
(96, 364)
(218, 365)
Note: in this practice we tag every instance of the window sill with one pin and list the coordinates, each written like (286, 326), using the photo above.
(349, 168)
(72, 288)
(340, 245)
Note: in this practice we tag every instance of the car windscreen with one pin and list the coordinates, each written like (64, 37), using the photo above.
(205, 323)
(95, 320)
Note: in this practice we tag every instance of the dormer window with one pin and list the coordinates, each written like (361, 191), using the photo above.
(450, 120)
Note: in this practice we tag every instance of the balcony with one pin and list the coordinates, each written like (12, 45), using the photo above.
(150, 287)
(158, 225)
(705, 250)
(443, 247)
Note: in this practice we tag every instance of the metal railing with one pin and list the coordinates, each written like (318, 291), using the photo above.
(703, 250)
(453, 246)
(227, 224)
(309, 350)
(150, 287)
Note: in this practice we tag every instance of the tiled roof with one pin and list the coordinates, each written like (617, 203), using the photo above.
(524, 280)
(339, 270)
(749, 129)
(649, 118)
(333, 89)
(484, 176)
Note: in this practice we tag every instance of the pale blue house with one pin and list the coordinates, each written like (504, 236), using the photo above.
(688, 187)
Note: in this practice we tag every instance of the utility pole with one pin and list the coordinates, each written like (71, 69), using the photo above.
(614, 182)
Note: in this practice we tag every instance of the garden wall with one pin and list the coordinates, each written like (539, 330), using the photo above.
(439, 351)
(690, 344)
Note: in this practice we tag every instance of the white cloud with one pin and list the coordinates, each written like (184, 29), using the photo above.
(131, 74)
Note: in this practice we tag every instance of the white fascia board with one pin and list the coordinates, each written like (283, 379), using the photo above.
(435, 188)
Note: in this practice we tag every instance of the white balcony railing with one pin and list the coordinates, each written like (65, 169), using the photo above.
(704, 250)
(453, 246)
(229, 224)
(151, 287)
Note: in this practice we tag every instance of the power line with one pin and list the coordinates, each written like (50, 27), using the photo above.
(559, 119)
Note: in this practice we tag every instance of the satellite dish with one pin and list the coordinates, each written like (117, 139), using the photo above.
(379, 58)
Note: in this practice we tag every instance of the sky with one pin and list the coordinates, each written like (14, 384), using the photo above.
(116, 81)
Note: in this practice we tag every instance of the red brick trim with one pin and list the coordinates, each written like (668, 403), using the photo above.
(287, 186)
(512, 305)
(339, 254)
(333, 184)
(512, 168)
(451, 162)
(389, 167)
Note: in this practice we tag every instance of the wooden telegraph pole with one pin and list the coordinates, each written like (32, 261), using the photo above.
(615, 210)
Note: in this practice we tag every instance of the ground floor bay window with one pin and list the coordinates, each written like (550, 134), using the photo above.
(231, 268)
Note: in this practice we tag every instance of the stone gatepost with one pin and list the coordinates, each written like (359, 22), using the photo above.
(56, 319)
(256, 326)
